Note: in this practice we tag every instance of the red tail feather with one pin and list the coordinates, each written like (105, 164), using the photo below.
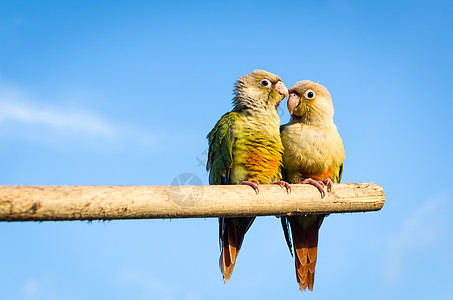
(231, 235)
(304, 231)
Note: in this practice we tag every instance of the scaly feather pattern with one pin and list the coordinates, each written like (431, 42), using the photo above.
(245, 145)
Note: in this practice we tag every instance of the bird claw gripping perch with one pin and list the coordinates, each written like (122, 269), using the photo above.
(253, 183)
(328, 183)
(318, 184)
(284, 184)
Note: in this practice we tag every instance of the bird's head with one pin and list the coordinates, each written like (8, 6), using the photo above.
(311, 103)
(259, 90)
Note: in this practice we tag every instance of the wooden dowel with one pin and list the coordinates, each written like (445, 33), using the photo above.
(68, 203)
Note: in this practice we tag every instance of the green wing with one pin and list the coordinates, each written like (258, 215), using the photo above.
(220, 155)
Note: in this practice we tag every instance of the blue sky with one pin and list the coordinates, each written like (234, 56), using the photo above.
(124, 93)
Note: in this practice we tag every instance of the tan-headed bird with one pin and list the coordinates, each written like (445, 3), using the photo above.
(313, 154)
(245, 148)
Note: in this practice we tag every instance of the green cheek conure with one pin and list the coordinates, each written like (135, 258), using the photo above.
(245, 148)
(313, 154)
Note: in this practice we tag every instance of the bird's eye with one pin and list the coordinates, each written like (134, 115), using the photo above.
(265, 83)
(309, 94)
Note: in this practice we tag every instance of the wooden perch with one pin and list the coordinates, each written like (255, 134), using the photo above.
(68, 203)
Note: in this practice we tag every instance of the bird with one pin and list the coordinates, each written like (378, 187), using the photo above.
(313, 154)
(245, 148)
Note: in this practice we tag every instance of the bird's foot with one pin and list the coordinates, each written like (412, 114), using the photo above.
(318, 184)
(328, 183)
(253, 183)
(284, 184)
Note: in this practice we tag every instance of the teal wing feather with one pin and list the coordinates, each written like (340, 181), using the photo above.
(220, 155)
(286, 231)
(283, 219)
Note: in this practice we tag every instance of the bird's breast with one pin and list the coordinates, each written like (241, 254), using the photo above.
(311, 151)
(257, 152)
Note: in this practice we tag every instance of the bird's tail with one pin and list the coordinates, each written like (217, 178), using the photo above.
(304, 231)
(231, 234)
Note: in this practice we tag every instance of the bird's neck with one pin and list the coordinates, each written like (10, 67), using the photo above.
(256, 109)
(311, 120)
(265, 113)
(246, 103)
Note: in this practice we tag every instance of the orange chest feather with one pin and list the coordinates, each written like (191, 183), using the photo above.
(259, 161)
(262, 165)
(318, 176)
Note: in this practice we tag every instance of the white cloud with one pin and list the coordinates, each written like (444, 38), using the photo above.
(56, 118)
(420, 231)
(21, 116)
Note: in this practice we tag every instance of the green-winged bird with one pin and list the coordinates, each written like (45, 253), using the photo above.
(245, 148)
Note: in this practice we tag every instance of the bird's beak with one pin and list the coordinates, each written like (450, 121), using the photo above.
(281, 89)
(293, 102)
